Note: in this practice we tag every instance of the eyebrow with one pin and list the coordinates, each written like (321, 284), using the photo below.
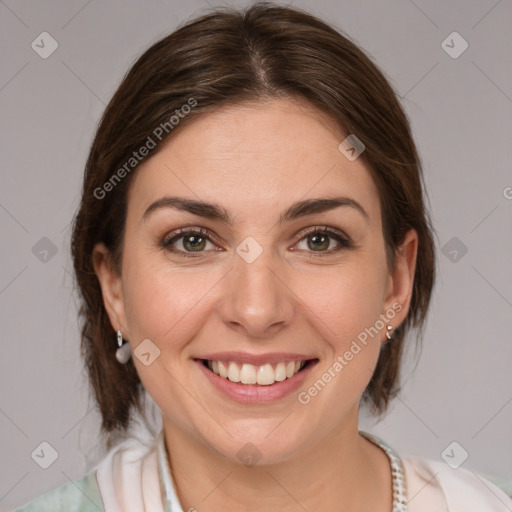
(216, 212)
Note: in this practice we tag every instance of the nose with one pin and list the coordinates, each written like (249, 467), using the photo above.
(256, 300)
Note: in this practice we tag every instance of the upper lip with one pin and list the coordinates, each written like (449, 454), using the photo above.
(255, 359)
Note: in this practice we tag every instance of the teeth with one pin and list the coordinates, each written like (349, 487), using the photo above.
(233, 372)
(249, 374)
(266, 375)
(223, 371)
(280, 373)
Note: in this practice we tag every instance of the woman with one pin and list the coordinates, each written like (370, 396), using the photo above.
(252, 248)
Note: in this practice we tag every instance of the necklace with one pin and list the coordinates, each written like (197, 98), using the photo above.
(397, 472)
(171, 503)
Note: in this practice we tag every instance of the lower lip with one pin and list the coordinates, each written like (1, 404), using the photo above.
(254, 393)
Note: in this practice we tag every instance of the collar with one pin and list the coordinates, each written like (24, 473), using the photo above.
(169, 496)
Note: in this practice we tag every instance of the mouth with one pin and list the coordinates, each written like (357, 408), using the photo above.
(248, 374)
(254, 378)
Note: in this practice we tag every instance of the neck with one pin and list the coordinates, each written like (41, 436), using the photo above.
(343, 471)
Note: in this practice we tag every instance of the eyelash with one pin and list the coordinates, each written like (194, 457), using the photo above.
(344, 243)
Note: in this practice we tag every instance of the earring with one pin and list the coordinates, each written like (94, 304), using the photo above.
(388, 333)
(123, 353)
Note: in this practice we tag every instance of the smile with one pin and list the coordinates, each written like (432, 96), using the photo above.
(264, 375)
(255, 378)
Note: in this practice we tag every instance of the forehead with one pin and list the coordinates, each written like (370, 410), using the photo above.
(254, 156)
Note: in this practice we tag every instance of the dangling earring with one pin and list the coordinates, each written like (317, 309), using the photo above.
(388, 333)
(123, 353)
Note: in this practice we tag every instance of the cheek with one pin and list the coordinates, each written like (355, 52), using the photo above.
(163, 305)
(346, 311)
(161, 301)
(345, 301)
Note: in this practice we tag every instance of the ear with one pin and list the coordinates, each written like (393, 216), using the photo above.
(401, 279)
(111, 287)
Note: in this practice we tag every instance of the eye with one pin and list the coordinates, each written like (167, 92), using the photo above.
(318, 239)
(191, 240)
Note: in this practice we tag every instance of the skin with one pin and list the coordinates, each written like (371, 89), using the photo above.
(255, 160)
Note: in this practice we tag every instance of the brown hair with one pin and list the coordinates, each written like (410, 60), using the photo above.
(226, 57)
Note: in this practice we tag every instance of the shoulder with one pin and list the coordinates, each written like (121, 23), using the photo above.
(433, 484)
(121, 467)
(80, 495)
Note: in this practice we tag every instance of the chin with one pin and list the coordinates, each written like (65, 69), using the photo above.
(261, 442)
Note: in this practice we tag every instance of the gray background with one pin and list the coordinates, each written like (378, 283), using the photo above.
(460, 110)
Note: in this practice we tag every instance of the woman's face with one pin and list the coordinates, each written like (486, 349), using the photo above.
(256, 287)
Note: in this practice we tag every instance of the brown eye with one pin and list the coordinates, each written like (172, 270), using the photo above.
(319, 240)
(187, 241)
(193, 242)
